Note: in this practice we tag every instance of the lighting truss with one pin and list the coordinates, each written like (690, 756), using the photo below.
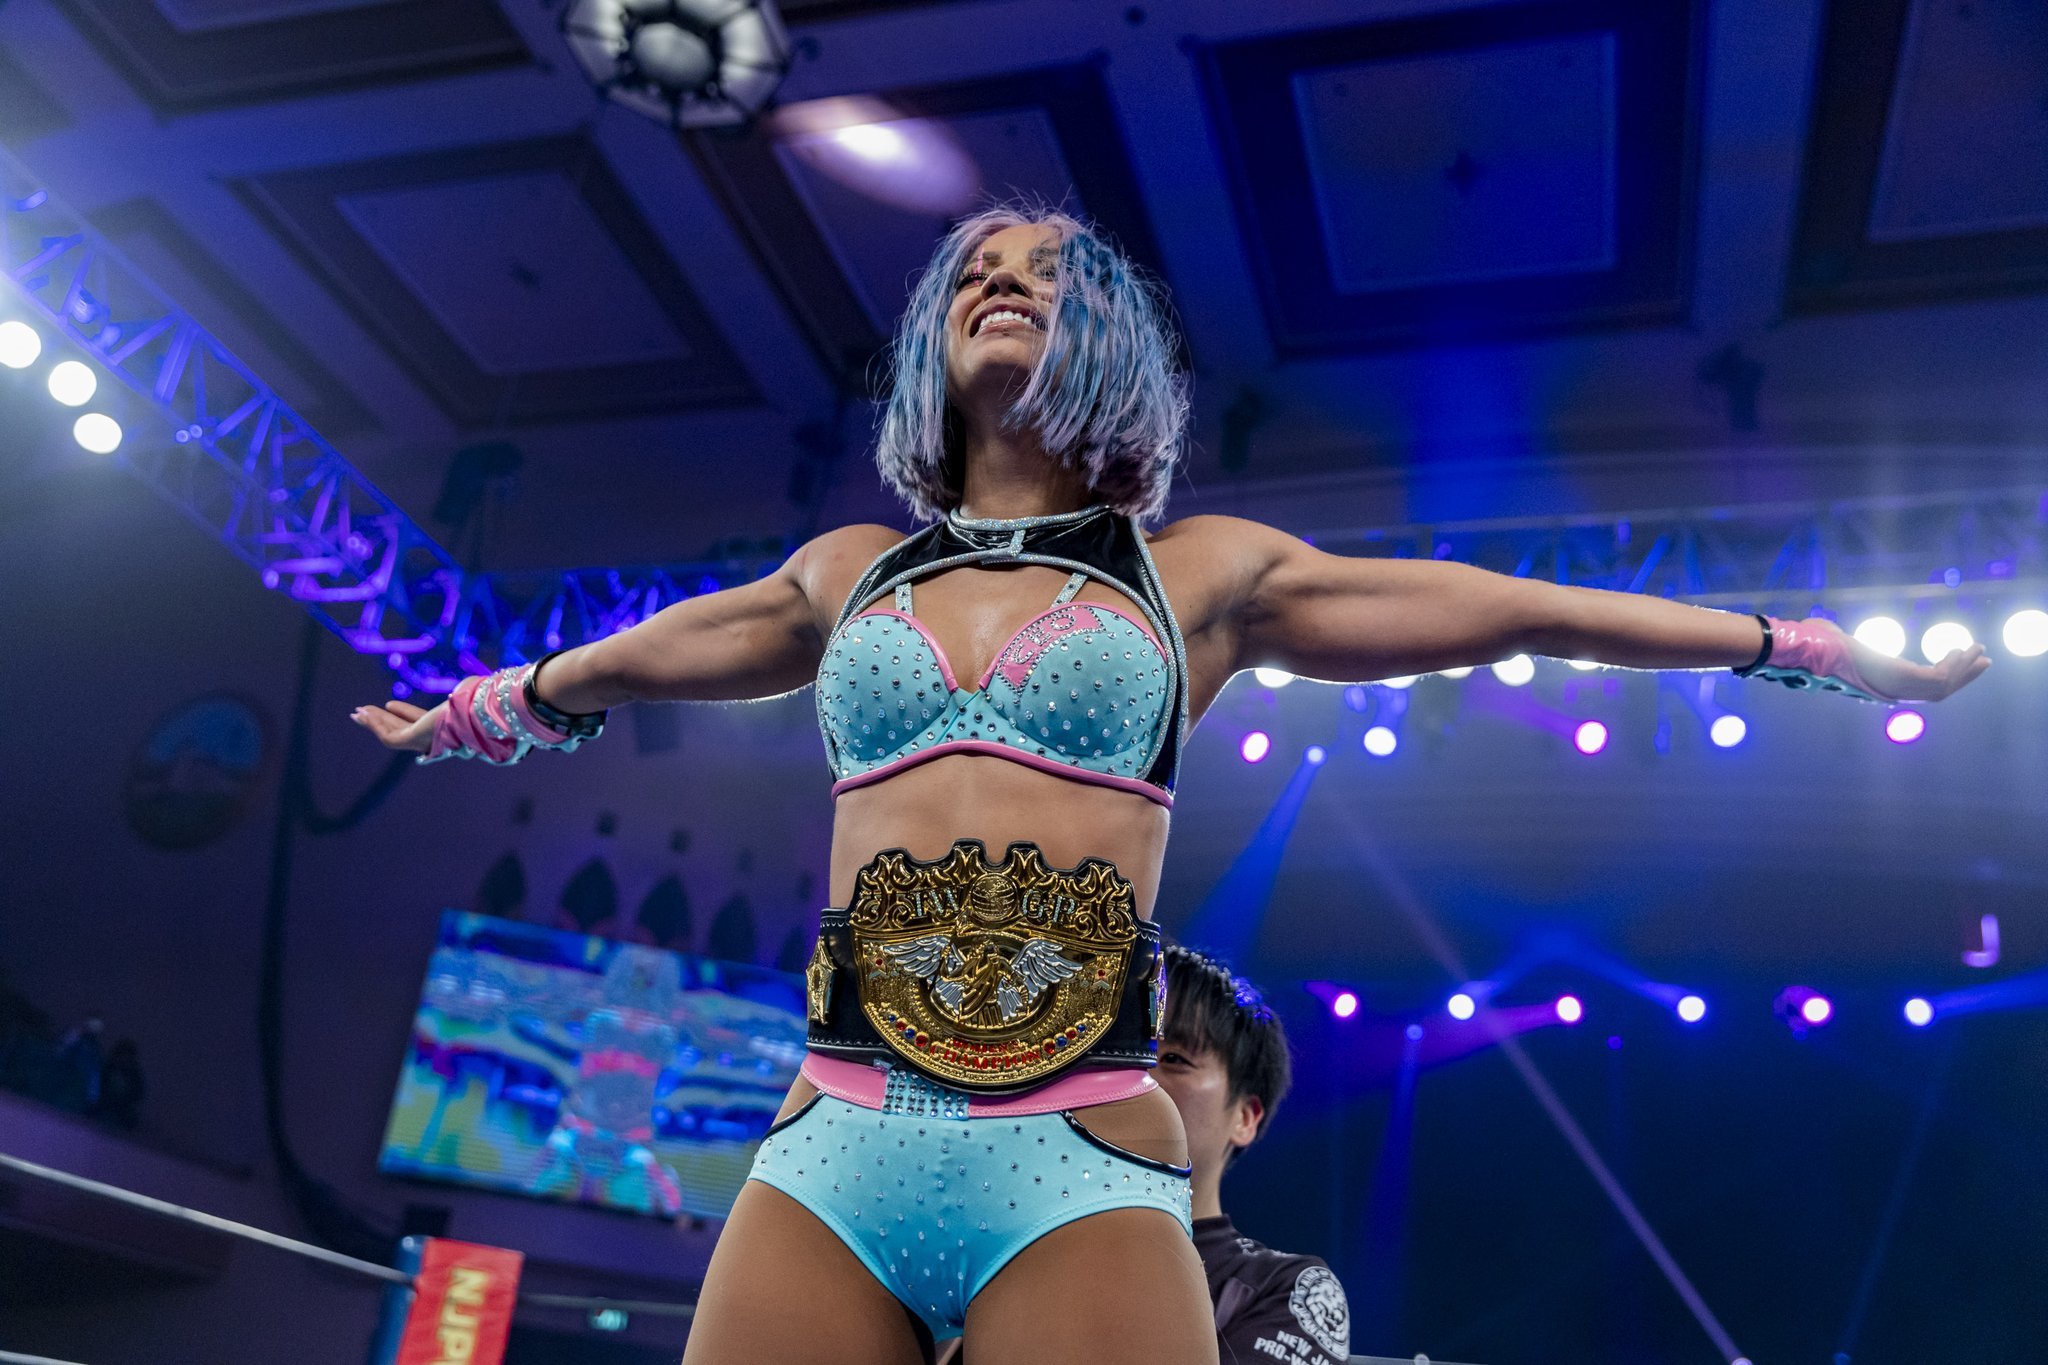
(1795, 554)
(239, 461)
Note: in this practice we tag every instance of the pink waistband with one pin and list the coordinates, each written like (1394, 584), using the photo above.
(862, 1084)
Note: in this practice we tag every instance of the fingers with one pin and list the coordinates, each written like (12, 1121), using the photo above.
(394, 729)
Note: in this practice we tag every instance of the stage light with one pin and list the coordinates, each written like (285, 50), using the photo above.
(1401, 683)
(1255, 746)
(686, 63)
(1584, 665)
(20, 344)
(1944, 637)
(1355, 697)
(1517, 671)
(1903, 727)
(1727, 731)
(1315, 755)
(1691, 1009)
(1919, 1013)
(1380, 741)
(97, 432)
(1816, 1009)
(1590, 737)
(1569, 1010)
(1461, 1006)
(1464, 672)
(72, 383)
(1275, 678)
(1883, 634)
(1413, 1033)
(1345, 1005)
(2026, 633)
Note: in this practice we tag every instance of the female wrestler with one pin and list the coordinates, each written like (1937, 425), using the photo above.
(975, 1144)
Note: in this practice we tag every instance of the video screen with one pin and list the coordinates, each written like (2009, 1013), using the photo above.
(575, 1068)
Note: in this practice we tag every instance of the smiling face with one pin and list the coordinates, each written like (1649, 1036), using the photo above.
(1002, 304)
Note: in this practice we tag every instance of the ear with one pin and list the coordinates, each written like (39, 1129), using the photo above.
(1244, 1120)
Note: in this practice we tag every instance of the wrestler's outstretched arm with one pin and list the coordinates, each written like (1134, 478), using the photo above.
(758, 640)
(1292, 606)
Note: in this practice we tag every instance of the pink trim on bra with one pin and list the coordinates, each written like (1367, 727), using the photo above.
(864, 1085)
(938, 650)
(982, 746)
(946, 663)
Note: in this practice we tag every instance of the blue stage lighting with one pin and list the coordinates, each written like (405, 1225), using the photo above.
(1692, 1009)
(1345, 1005)
(1380, 741)
(1919, 1013)
(1461, 1006)
(1315, 755)
(1255, 746)
(1569, 1009)
(1727, 731)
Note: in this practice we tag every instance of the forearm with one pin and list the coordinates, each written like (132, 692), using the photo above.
(1630, 630)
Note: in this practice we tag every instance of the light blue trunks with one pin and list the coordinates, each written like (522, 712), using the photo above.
(935, 1206)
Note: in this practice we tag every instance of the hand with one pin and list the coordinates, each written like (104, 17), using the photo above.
(1908, 681)
(400, 725)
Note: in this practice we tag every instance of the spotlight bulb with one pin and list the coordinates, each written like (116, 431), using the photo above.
(1315, 755)
(1517, 671)
(1816, 1009)
(1345, 1005)
(1569, 1010)
(97, 432)
(1461, 1006)
(1903, 727)
(20, 344)
(1727, 731)
(1275, 678)
(1380, 741)
(1943, 638)
(2026, 633)
(1399, 684)
(1464, 672)
(72, 383)
(1919, 1012)
(1692, 1009)
(1883, 634)
(1255, 746)
(1590, 738)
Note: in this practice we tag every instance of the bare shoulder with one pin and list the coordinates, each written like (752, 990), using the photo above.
(1210, 564)
(831, 563)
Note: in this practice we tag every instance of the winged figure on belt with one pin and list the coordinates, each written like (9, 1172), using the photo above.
(982, 979)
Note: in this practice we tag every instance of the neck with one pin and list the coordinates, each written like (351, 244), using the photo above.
(1207, 1189)
(1010, 474)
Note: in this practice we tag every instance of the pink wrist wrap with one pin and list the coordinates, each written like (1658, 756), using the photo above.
(1814, 653)
(487, 717)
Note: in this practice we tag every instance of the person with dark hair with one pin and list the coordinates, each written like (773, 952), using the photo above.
(1224, 1061)
(976, 1144)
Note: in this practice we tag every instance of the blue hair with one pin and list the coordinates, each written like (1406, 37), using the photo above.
(1106, 398)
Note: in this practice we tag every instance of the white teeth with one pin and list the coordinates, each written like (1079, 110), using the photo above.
(1005, 315)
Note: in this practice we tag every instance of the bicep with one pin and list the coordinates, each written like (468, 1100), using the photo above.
(758, 640)
(1344, 619)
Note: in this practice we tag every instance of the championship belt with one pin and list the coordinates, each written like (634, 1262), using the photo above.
(991, 977)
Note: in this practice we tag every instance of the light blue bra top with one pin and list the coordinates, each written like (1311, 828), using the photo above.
(1080, 690)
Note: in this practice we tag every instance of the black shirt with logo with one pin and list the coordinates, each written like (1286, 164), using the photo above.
(1271, 1306)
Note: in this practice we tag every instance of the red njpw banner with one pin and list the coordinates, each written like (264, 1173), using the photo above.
(462, 1305)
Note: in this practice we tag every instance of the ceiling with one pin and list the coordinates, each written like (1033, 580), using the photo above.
(1496, 252)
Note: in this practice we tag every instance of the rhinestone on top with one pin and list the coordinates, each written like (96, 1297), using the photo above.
(878, 713)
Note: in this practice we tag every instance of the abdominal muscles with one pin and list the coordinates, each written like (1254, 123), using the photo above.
(924, 809)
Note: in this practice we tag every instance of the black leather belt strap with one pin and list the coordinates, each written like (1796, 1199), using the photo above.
(846, 1033)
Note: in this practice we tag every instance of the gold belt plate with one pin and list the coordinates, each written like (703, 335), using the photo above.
(990, 975)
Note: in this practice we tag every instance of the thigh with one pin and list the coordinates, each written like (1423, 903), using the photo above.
(1117, 1288)
(783, 1287)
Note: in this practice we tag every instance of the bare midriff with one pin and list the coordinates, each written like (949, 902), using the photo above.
(924, 809)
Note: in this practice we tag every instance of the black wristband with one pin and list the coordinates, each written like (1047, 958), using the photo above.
(1762, 658)
(576, 724)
